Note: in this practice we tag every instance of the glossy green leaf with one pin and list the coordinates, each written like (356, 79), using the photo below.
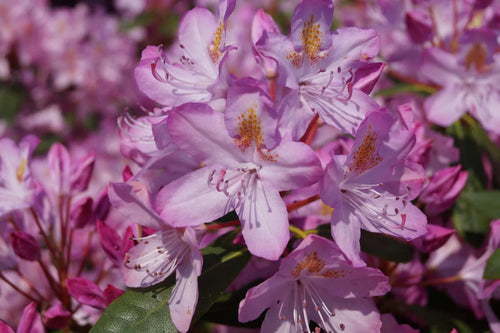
(492, 270)
(138, 310)
(386, 247)
(11, 99)
(473, 212)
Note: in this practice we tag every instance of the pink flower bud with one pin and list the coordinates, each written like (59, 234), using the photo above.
(82, 212)
(31, 321)
(4, 328)
(102, 205)
(60, 168)
(25, 246)
(443, 189)
(86, 292)
(419, 26)
(110, 242)
(82, 172)
(111, 293)
(57, 317)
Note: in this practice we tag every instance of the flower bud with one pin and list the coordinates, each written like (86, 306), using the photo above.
(25, 246)
(86, 292)
(81, 212)
(419, 26)
(57, 317)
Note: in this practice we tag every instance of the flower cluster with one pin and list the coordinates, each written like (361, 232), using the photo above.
(78, 64)
(302, 172)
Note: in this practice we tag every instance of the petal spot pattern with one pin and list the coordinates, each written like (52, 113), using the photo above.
(214, 50)
(250, 132)
(476, 57)
(315, 266)
(311, 38)
(366, 156)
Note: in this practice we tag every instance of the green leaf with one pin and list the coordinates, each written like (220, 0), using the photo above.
(492, 270)
(146, 310)
(11, 100)
(473, 212)
(138, 310)
(386, 247)
(403, 88)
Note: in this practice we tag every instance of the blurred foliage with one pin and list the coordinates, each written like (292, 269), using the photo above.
(12, 97)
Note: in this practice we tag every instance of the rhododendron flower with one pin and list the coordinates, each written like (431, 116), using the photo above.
(317, 283)
(319, 67)
(157, 256)
(190, 72)
(469, 79)
(247, 165)
(372, 187)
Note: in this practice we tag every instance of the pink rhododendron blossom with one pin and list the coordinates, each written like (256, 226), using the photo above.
(160, 254)
(372, 187)
(320, 68)
(468, 79)
(191, 71)
(247, 165)
(317, 283)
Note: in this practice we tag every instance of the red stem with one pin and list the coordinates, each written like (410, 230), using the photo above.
(217, 226)
(16, 288)
(45, 238)
(311, 130)
(296, 205)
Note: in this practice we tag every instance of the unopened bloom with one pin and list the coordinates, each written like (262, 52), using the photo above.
(317, 283)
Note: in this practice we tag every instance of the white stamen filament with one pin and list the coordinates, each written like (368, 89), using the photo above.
(169, 255)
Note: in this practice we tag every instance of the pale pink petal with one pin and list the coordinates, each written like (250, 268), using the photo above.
(446, 106)
(348, 313)
(441, 67)
(346, 232)
(189, 201)
(184, 297)
(261, 297)
(345, 115)
(296, 166)
(196, 32)
(264, 220)
(133, 200)
(352, 44)
(200, 131)
(295, 116)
